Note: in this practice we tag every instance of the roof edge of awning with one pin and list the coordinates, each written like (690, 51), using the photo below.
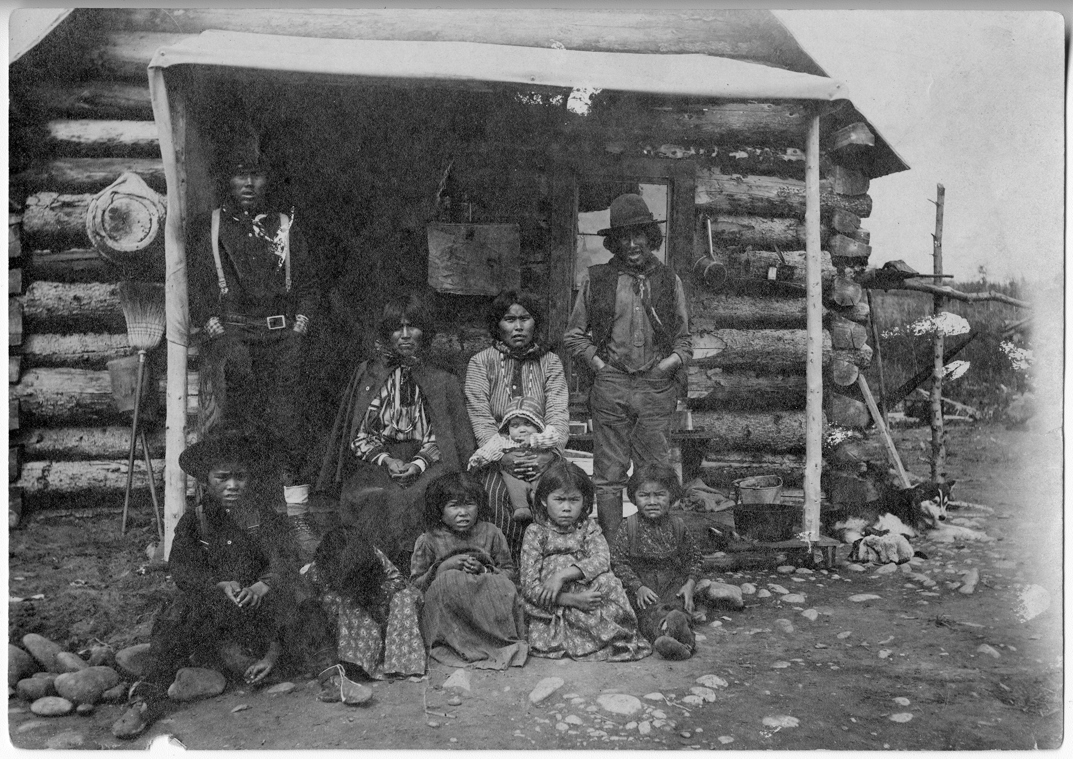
(666, 74)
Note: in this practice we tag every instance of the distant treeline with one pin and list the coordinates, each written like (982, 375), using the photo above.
(991, 381)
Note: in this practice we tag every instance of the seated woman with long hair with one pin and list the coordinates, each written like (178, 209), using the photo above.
(401, 424)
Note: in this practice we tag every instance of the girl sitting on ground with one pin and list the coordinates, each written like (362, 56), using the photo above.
(658, 562)
(575, 606)
(472, 613)
(365, 617)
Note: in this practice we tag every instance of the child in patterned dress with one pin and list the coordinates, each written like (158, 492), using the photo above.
(576, 607)
(368, 615)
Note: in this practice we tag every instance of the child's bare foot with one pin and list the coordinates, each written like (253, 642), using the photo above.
(523, 515)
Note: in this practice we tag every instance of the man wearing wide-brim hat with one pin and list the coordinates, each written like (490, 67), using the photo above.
(630, 326)
(255, 287)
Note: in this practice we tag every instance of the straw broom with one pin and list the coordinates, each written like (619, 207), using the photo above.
(143, 310)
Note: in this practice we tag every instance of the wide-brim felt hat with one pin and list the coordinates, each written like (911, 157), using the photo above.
(629, 210)
(232, 447)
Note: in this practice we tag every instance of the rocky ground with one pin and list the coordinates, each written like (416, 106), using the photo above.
(847, 658)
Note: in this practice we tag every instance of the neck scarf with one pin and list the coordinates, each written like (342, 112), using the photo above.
(641, 284)
(531, 352)
(406, 387)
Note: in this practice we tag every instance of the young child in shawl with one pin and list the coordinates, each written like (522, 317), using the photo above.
(658, 562)
(472, 614)
(575, 606)
(522, 428)
(365, 617)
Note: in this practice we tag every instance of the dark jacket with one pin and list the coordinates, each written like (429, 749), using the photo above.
(446, 409)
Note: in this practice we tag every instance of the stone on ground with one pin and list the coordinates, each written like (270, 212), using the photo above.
(786, 569)
(134, 661)
(85, 709)
(101, 656)
(712, 681)
(68, 662)
(458, 679)
(784, 625)
(983, 648)
(793, 598)
(20, 665)
(116, 694)
(619, 703)
(281, 688)
(87, 685)
(861, 597)
(706, 694)
(193, 683)
(545, 688)
(42, 649)
(725, 595)
(810, 614)
(51, 706)
(33, 688)
(763, 593)
(748, 589)
(68, 739)
(655, 696)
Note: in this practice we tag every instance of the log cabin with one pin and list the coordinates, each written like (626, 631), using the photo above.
(372, 156)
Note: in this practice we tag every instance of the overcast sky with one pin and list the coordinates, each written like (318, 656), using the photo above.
(971, 100)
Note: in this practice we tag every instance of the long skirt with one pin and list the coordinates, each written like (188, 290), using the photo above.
(474, 620)
(500, 509)
(381, 650)
(389, 516)
(607, 633)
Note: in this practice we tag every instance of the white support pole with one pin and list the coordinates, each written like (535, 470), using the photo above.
(177, 309)
(814, 327)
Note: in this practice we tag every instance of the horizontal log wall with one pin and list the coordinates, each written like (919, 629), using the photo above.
(746, 388)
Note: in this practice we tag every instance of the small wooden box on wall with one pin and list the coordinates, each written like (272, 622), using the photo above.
(474, 259)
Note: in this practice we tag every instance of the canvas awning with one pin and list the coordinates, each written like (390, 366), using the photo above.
(465, 62)
(685, 75)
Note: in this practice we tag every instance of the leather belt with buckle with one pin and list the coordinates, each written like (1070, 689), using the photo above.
(279, 321)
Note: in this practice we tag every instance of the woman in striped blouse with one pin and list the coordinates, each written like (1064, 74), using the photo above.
(518, 364)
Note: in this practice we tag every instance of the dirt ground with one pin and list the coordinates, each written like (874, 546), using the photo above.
(901, 671)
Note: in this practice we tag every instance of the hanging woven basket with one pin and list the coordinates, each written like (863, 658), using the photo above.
(125, 223)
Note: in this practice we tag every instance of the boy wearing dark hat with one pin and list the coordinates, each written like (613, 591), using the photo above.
(255, 287)
(234, 564)
(630, 325)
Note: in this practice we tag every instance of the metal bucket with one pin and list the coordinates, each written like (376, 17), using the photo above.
(758, 513)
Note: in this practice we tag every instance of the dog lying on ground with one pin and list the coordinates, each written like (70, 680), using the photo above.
(880, 530)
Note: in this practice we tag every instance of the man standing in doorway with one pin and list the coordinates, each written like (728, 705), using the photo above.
(255, 288)
(630, 325)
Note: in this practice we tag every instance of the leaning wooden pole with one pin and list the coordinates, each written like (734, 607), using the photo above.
(171, 127)
(938, 448)
(814, 331)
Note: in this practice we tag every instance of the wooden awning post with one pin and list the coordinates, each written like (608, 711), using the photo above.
(175, 305)
(814, 328)
(938, 446)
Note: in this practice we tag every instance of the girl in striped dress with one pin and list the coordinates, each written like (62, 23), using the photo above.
(472, 613)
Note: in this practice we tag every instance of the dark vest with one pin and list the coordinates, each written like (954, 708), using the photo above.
(603, 284)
